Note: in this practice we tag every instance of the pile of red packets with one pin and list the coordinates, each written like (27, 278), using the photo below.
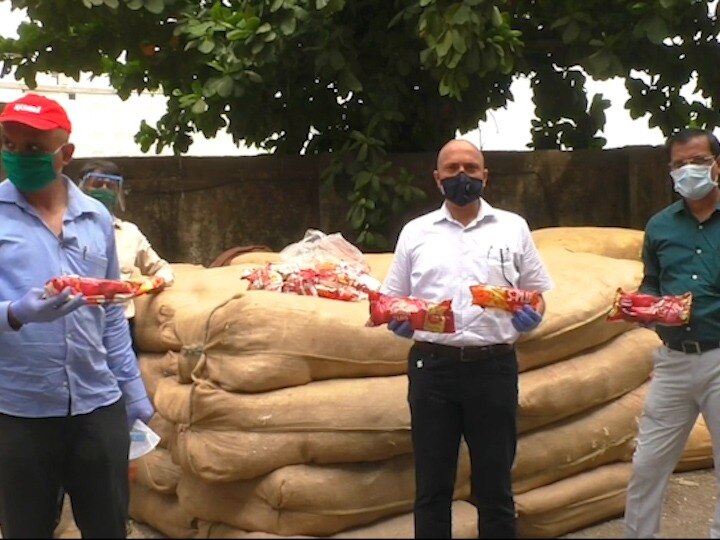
(643, 308)
(423, 315)
(327, 280)
(505, 298)
(104, 291)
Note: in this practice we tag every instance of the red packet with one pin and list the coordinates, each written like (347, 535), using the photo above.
(506, 298)
(422, 314)
(104, 291)
(644, 308)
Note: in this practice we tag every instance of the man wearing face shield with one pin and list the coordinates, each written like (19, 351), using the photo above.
(102, 181)
(465, 383)
(681, 253)
(70, 385)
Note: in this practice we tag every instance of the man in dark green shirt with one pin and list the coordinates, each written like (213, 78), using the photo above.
(681, 253)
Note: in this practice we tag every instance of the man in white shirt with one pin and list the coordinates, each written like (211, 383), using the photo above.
(102, 181)
(465, 383)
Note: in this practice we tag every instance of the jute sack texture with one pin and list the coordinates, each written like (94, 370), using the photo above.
(464, 525)
(312, 499)
(615, 242)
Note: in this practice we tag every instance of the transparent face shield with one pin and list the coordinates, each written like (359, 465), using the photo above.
(96, 180)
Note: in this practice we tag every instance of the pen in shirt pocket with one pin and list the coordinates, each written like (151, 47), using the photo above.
(84, 253)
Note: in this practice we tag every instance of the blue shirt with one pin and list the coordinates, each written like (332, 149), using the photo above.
(681, 255)
(76, 363)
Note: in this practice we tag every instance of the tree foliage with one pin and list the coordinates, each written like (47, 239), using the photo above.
(363, 78)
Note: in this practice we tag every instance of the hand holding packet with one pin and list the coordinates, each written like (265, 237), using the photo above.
(646, 309)
(422, 314)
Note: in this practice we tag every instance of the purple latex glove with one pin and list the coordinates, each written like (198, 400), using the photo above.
(33, 308)
(401, 328)
(526, 319)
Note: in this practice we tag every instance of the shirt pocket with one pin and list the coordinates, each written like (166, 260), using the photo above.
(92, 264)
(501, 265)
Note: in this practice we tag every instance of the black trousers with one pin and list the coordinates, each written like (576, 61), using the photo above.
(478, 400)
(85, 455)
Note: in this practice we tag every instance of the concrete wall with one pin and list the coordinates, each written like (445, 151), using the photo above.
(194, 208)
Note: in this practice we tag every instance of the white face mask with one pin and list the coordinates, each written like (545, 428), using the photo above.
(693, 181)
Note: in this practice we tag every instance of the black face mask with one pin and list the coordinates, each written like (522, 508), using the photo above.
(462, 189)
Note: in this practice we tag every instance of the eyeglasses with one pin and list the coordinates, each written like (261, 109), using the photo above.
(697, 160)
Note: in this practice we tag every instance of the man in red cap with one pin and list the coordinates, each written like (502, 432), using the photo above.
(70, 384)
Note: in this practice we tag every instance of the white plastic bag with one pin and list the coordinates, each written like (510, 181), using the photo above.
(317, 247)
(142, 440)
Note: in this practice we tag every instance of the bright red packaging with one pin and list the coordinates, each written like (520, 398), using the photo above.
(423, 315)
(643, 308)
(104, 291)
(505, 298)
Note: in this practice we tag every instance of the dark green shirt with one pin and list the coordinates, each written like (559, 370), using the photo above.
(680, 255)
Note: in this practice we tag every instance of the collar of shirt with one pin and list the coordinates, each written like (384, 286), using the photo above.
(78, 202)
(680, 206)
(486, 211)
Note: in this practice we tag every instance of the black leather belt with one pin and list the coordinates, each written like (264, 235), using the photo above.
(693, 347)
(464, 354)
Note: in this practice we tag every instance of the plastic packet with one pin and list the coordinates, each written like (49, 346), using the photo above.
(143, 440)
(317, 248)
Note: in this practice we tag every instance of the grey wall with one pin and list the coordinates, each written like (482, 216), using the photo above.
(192, 209)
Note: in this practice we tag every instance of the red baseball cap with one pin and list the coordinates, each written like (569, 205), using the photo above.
(37, 112)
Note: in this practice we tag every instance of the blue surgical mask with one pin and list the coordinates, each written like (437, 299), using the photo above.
(462, 189)
(693, 181)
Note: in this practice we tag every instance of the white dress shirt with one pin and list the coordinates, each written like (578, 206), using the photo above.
(137, 257)
(437, 258)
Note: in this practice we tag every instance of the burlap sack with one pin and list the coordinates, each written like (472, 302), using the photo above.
(586, 441)
(195, 292)
(575, 319)
(156, 471)
(615, 242)
(698, 453)
(256, 257)
(312, 499)
(161, 511)
(157, 366)
(267, 340)
(464, 525)
(573, 503)
(562, 389)
(172, 400)
(163, 427)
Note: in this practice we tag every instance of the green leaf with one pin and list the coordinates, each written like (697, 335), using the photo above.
(288, 25)
(112, 4)
(135, 4)
(496, 17)
(447, 41)
(206, 46)
(225, 86)
(321, 4)
(277, 4)
(199, 107)
(155, 6)
(657, 30)
(571, 32)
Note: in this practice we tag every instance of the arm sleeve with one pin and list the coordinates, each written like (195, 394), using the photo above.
(650, 283)
(397, 282)
(120, 356)
(150, 263)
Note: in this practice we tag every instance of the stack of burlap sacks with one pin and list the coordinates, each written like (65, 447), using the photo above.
(283, 415)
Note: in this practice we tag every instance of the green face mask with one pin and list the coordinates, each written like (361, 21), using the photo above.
(106, 196)
(29, 173)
